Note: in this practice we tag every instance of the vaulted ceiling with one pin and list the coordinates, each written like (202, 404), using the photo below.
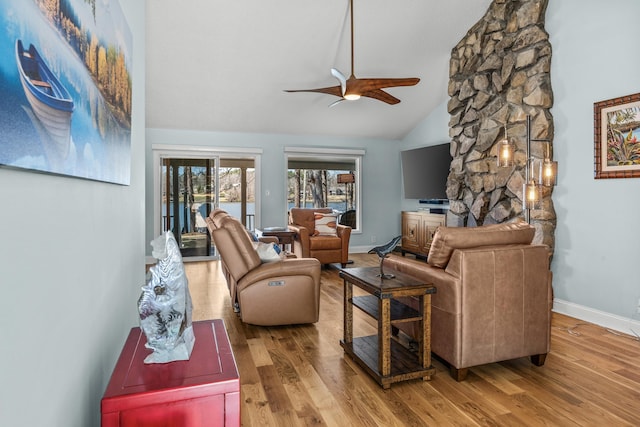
(223, 65)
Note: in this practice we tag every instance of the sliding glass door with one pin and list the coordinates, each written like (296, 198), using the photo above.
(189, 194)
(190, 182)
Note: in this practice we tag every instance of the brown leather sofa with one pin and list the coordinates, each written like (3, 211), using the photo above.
(326, 249)
(494, 295)
(281, 292)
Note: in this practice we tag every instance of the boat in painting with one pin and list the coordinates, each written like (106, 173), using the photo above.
(48, 98)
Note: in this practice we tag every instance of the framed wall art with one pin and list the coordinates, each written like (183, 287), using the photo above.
(617, 137)
(65, 80)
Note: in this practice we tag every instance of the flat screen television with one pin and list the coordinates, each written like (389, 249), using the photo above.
(425, 171)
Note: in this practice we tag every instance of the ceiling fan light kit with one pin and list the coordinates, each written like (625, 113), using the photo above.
(353, 88)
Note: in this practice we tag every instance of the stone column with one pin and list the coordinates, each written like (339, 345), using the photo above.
(499, 74)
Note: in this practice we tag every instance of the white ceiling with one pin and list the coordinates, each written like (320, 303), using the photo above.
(223, 65)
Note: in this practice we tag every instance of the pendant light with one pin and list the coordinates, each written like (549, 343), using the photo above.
(545, 175)
(505, 151)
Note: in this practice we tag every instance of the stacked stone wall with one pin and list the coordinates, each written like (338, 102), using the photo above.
(500, 74)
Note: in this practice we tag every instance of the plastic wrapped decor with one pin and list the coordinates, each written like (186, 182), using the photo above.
(165, 305)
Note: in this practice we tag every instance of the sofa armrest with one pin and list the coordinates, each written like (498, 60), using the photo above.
(344, 232)
(447, 296)
(299, 229)
(301, 241)
(504, 302)
(281, 293)
(287, 267)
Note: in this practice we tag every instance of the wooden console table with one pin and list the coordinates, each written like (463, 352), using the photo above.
(417, 231)
(385, 359)
(201, 391)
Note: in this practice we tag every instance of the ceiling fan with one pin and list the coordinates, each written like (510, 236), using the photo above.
(353, 88)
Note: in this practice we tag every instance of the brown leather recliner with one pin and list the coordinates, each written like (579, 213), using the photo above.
(494, 295)
(326, 249)
(281, 292)
(214, 221)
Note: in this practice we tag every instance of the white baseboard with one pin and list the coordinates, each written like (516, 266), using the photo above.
(601, 318)
(360, 249)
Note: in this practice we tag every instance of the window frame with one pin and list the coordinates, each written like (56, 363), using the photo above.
(161, 151)
(328, 154)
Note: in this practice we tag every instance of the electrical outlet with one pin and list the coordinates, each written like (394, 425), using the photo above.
(373, 239)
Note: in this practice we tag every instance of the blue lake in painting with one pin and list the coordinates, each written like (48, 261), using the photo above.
(99, 147)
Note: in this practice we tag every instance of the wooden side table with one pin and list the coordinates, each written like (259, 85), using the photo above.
(201, 391)
(284, 235)
(385, 359)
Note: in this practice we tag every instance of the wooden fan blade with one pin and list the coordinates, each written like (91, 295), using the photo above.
(333, 90)
(368, 84)
(381, 95)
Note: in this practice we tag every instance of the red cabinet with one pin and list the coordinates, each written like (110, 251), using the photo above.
(201, 391)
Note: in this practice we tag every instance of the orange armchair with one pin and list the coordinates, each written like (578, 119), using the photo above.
(308, 244)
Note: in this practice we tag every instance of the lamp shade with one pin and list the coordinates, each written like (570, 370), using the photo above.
(505, 153)
(531, 195)
(549, 173)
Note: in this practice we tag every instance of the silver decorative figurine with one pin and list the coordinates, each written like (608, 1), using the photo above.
(165, 305)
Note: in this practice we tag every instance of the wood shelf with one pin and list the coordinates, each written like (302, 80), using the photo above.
(405, 366)
(400, 312)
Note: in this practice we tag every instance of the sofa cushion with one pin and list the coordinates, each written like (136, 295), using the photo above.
(446, 239)
(320, 243)
(325, 224)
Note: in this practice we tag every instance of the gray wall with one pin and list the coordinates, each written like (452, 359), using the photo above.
(597, 236)
(71, 268)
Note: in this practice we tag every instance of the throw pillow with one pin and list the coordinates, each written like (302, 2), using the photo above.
(267, 251)
(325, 224)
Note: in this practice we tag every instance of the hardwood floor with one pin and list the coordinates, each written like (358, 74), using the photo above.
(299, 376)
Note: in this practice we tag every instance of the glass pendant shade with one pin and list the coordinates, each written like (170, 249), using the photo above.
(505, 153)
(549, 173)
(532, 195)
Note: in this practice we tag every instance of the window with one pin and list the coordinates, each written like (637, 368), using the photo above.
(189, 182)
(325, 178)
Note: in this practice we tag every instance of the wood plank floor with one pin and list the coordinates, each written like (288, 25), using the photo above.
(299, 376)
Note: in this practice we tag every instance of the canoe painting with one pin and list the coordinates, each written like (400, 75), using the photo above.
(48, 98)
